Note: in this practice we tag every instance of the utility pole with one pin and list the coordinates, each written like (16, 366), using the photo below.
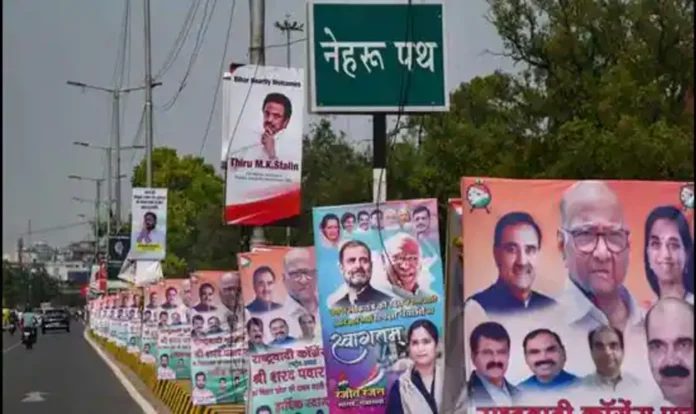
(287, 27)
(257, 55)
(148, 96)
(110, 177)
(97, 205)
(117, 147)
(116, 98)
(20, 252)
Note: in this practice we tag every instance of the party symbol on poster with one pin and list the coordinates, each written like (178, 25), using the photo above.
(479, 196)
(686, 195)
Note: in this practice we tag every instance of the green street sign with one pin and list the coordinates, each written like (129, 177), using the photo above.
(377, 56)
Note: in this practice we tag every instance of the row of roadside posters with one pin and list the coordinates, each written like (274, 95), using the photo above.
(560, 296)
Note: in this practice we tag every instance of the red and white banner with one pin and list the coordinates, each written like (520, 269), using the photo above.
(262, 144)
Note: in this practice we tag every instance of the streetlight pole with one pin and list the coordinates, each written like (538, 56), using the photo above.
(257, 55)
(110, 178)
(148, 95)
(116, 97)
(97, 205)
(287, 26)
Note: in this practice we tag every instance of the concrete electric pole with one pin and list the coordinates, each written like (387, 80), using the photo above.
(257, 56)
(287, 27)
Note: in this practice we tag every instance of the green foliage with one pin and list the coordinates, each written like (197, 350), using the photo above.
(29, 284)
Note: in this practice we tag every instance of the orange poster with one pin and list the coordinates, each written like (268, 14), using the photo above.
(577, 291)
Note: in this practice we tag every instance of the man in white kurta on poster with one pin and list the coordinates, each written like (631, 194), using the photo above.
(268, 143)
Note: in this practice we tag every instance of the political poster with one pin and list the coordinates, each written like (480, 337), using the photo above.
(279, 287)
(579, 294)
(153, 298)
(218, 364)
(114, 322)
(134, 321)
(173, 333)
(382, 304)
(119, 246)
(149, 224)
(263, 149)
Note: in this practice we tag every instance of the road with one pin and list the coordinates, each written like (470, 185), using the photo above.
(65, 369)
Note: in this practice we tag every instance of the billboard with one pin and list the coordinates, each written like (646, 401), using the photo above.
(118, 250)
(174, 333)
(149, 328)
(279, 286)
(381, 290)
(264, 147)
(218, 366)
(578, 291)
(149, 224)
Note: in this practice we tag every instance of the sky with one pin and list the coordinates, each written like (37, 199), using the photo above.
(46, 43)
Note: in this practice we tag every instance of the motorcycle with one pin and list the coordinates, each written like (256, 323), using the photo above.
(12, 329)
(28, 338)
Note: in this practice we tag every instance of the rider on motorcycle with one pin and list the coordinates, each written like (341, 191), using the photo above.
(30, 322)
(14, 320)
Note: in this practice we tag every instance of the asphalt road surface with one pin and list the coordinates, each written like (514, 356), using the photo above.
(61, 374)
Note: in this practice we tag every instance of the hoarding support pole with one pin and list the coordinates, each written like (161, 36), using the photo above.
(257, 55)
(379, 158)
(148, 96)
(287, 27)
(97, 223)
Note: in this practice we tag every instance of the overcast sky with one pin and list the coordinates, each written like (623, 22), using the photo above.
(46, 43)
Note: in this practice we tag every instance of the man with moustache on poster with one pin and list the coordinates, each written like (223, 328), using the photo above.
(363, 222)
(205, 298)
(516, 245)
(490, 353)
(355, 262)
(170, 298)
(254, 327)
(670, 335)
(546, 357)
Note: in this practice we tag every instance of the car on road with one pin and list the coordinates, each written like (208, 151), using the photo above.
(55, 319)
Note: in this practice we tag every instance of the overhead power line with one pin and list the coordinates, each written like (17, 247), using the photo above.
(180, 40)
(55, 228)
(202, 30)
(218, 78)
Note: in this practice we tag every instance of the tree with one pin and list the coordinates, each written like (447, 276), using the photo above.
(28, 284)
(600, 95)
(608, 81)
(193, 187)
